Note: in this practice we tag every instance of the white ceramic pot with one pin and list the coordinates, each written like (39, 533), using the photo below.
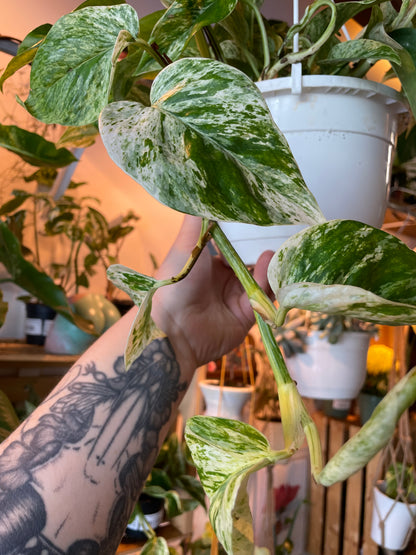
(331, 371)
(342, 132)
(225, 401)
(392, 521)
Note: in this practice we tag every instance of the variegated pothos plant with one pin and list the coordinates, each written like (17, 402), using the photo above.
(205, 144)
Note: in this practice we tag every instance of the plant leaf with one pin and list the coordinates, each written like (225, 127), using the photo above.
(9, 420)
(374, 435)
(178, 25)
(208, 146)
(406, 71)
(346, 267)
(155, 546)
(141, 289)
(33, 148)
(72, 70)
(361, 49)
(225, 453)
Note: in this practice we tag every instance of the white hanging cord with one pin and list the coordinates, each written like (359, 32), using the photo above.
(296, 72)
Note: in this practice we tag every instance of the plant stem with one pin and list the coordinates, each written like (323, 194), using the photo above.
(257, 297)
(211, 40)
(296, 57)
(263, 33)
(204, 237)
(202, 45)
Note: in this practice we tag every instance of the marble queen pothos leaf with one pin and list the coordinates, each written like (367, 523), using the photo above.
(72, 70)
(208, 146)
(346, 267)
(141, 289)
(225, 453)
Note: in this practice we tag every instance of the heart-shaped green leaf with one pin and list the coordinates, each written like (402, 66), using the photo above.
(225, 453)
(178, 25)
(208, 146)
(34, 149)
(346, 267)
(141, 289)
(72, 70)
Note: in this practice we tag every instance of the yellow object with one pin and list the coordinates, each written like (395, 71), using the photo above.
(380, 359)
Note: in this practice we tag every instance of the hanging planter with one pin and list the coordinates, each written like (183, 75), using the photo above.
(393, 520)
(331, 371)
(342, 132)
(225, 401)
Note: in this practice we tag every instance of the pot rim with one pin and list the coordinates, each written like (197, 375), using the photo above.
(214, 384)
(339, 84)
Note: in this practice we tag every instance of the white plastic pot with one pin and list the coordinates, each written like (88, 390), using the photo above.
(331, 371)
(392, 520)
(342, 132)
(225, 401)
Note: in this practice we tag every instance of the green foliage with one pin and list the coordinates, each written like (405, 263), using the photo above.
(9, 420)
(202, 142)
(400, 482)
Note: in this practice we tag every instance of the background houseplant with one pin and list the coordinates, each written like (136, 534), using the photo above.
(198, 152)
(394, 511)
(171, 481)
(53, 246)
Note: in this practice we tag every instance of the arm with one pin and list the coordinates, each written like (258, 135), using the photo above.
(70, 475)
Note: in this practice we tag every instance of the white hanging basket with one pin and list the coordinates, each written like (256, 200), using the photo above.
(331, 371)
(392, 520)
(342, 132)
(225, 401)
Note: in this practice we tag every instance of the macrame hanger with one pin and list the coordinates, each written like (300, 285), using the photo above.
(398, 453)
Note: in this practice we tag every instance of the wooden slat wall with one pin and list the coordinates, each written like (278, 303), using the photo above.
(340, 515)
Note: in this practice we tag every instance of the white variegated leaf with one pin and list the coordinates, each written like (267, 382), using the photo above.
(142, 332)
(141, 289)
(374, 435)
(155, 546)
(73, 67)
(346, 267)
(133, 283)
(208, 146)
(225, 453)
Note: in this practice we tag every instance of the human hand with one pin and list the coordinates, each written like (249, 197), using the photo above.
(208, 313)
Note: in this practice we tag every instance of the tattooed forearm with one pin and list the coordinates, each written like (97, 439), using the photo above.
(100, 429)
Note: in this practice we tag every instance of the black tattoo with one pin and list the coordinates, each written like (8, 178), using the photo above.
(86, 418)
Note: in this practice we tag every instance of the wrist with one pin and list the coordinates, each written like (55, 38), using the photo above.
(179, 340)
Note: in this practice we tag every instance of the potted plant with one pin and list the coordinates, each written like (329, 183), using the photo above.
(200, 152)
(394, 509)
(332, 364)
(171, 491)
(230, 382)
(380, 363)
(34, 224)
